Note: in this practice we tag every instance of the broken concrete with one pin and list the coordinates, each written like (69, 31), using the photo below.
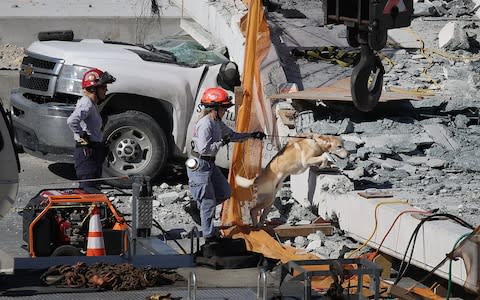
(452, 37)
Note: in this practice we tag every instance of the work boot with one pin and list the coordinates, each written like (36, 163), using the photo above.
(192, 209)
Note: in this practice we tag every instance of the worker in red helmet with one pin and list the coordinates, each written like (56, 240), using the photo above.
(208, 185)
(86, 125)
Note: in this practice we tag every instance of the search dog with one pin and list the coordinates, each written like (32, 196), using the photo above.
(295, 157)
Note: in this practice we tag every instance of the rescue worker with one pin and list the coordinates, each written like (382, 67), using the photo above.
(86, 125)
(208, 185)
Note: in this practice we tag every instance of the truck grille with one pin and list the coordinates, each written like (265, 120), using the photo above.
(38, 74)
(38, 63)
(40, 84)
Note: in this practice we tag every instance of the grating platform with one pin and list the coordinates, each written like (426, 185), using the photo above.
(207, 294)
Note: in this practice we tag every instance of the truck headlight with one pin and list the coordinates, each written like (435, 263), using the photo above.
(70, 79)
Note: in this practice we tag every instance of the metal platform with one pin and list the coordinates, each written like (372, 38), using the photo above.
(160, 261)
(210, 294)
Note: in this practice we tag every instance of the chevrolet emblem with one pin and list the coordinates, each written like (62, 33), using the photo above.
(28, 70)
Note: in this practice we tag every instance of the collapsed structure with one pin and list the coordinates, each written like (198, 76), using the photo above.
(379, 162)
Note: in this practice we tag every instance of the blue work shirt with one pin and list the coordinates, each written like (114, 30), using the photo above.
(86, 118)
(208, 134)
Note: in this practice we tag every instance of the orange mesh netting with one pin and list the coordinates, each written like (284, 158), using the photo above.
(254, 112)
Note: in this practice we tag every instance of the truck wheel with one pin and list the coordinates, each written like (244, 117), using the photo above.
(66, 250)
(136, 144)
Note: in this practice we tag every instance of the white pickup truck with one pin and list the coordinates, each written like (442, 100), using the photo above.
(147, 114)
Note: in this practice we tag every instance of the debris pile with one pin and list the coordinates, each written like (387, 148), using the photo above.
(11, 57)
(424, 150)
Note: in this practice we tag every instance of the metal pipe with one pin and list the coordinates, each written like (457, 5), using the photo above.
(262, 283)
(192, 282)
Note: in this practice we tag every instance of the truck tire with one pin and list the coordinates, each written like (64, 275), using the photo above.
(66, 250)
(136, 144)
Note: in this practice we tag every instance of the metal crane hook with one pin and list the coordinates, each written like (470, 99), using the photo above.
(367, 80)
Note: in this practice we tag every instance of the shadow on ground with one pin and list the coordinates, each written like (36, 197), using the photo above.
(174, 173)
(64, 170)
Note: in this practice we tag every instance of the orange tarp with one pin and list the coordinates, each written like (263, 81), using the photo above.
(261, 242)
(254, 112)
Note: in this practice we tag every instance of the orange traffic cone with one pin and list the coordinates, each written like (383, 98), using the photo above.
(95, 243)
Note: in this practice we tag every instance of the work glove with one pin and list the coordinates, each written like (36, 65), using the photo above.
(258, 135)
(84, 139)
(225, 140)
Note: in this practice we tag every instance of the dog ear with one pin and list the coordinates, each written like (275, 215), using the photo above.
(322, 139)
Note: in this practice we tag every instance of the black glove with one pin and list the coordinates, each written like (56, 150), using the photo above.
(225, 140)
(258, 135)
(84, 139)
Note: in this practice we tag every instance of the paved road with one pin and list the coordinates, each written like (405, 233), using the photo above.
(36, 174)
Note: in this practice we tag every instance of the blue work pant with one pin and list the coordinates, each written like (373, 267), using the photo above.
(88, 165)
(209, 187)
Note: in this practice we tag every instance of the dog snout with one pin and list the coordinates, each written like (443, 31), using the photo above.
(342, 153)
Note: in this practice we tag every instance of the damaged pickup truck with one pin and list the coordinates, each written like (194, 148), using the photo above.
(147, 112)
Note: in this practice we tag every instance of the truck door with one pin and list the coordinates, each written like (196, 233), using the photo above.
(10, 165)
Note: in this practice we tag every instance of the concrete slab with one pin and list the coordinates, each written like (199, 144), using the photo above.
(203, 37)
(440, 135)
(75, 8)
(404, 38)
(22, 31)
(370, 219)
(221, 20)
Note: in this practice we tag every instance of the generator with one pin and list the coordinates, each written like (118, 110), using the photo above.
(55, 223)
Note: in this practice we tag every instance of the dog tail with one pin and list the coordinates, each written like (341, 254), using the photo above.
(244, 182)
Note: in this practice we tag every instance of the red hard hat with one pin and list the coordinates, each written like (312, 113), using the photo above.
(96, 77)
(214, 97)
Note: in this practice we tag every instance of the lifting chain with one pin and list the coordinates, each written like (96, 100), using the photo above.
(121, 277)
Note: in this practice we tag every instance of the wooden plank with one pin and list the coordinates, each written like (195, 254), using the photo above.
(401, 293)
(340, 91)
(375, 194)
(287, 230)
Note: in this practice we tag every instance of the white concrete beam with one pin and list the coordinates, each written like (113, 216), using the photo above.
(356, 216)
(220, 21)
(203, 37)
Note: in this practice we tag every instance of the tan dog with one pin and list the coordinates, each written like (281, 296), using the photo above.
(298, 154)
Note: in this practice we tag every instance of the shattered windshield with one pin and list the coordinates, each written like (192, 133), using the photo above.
(189, 52)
